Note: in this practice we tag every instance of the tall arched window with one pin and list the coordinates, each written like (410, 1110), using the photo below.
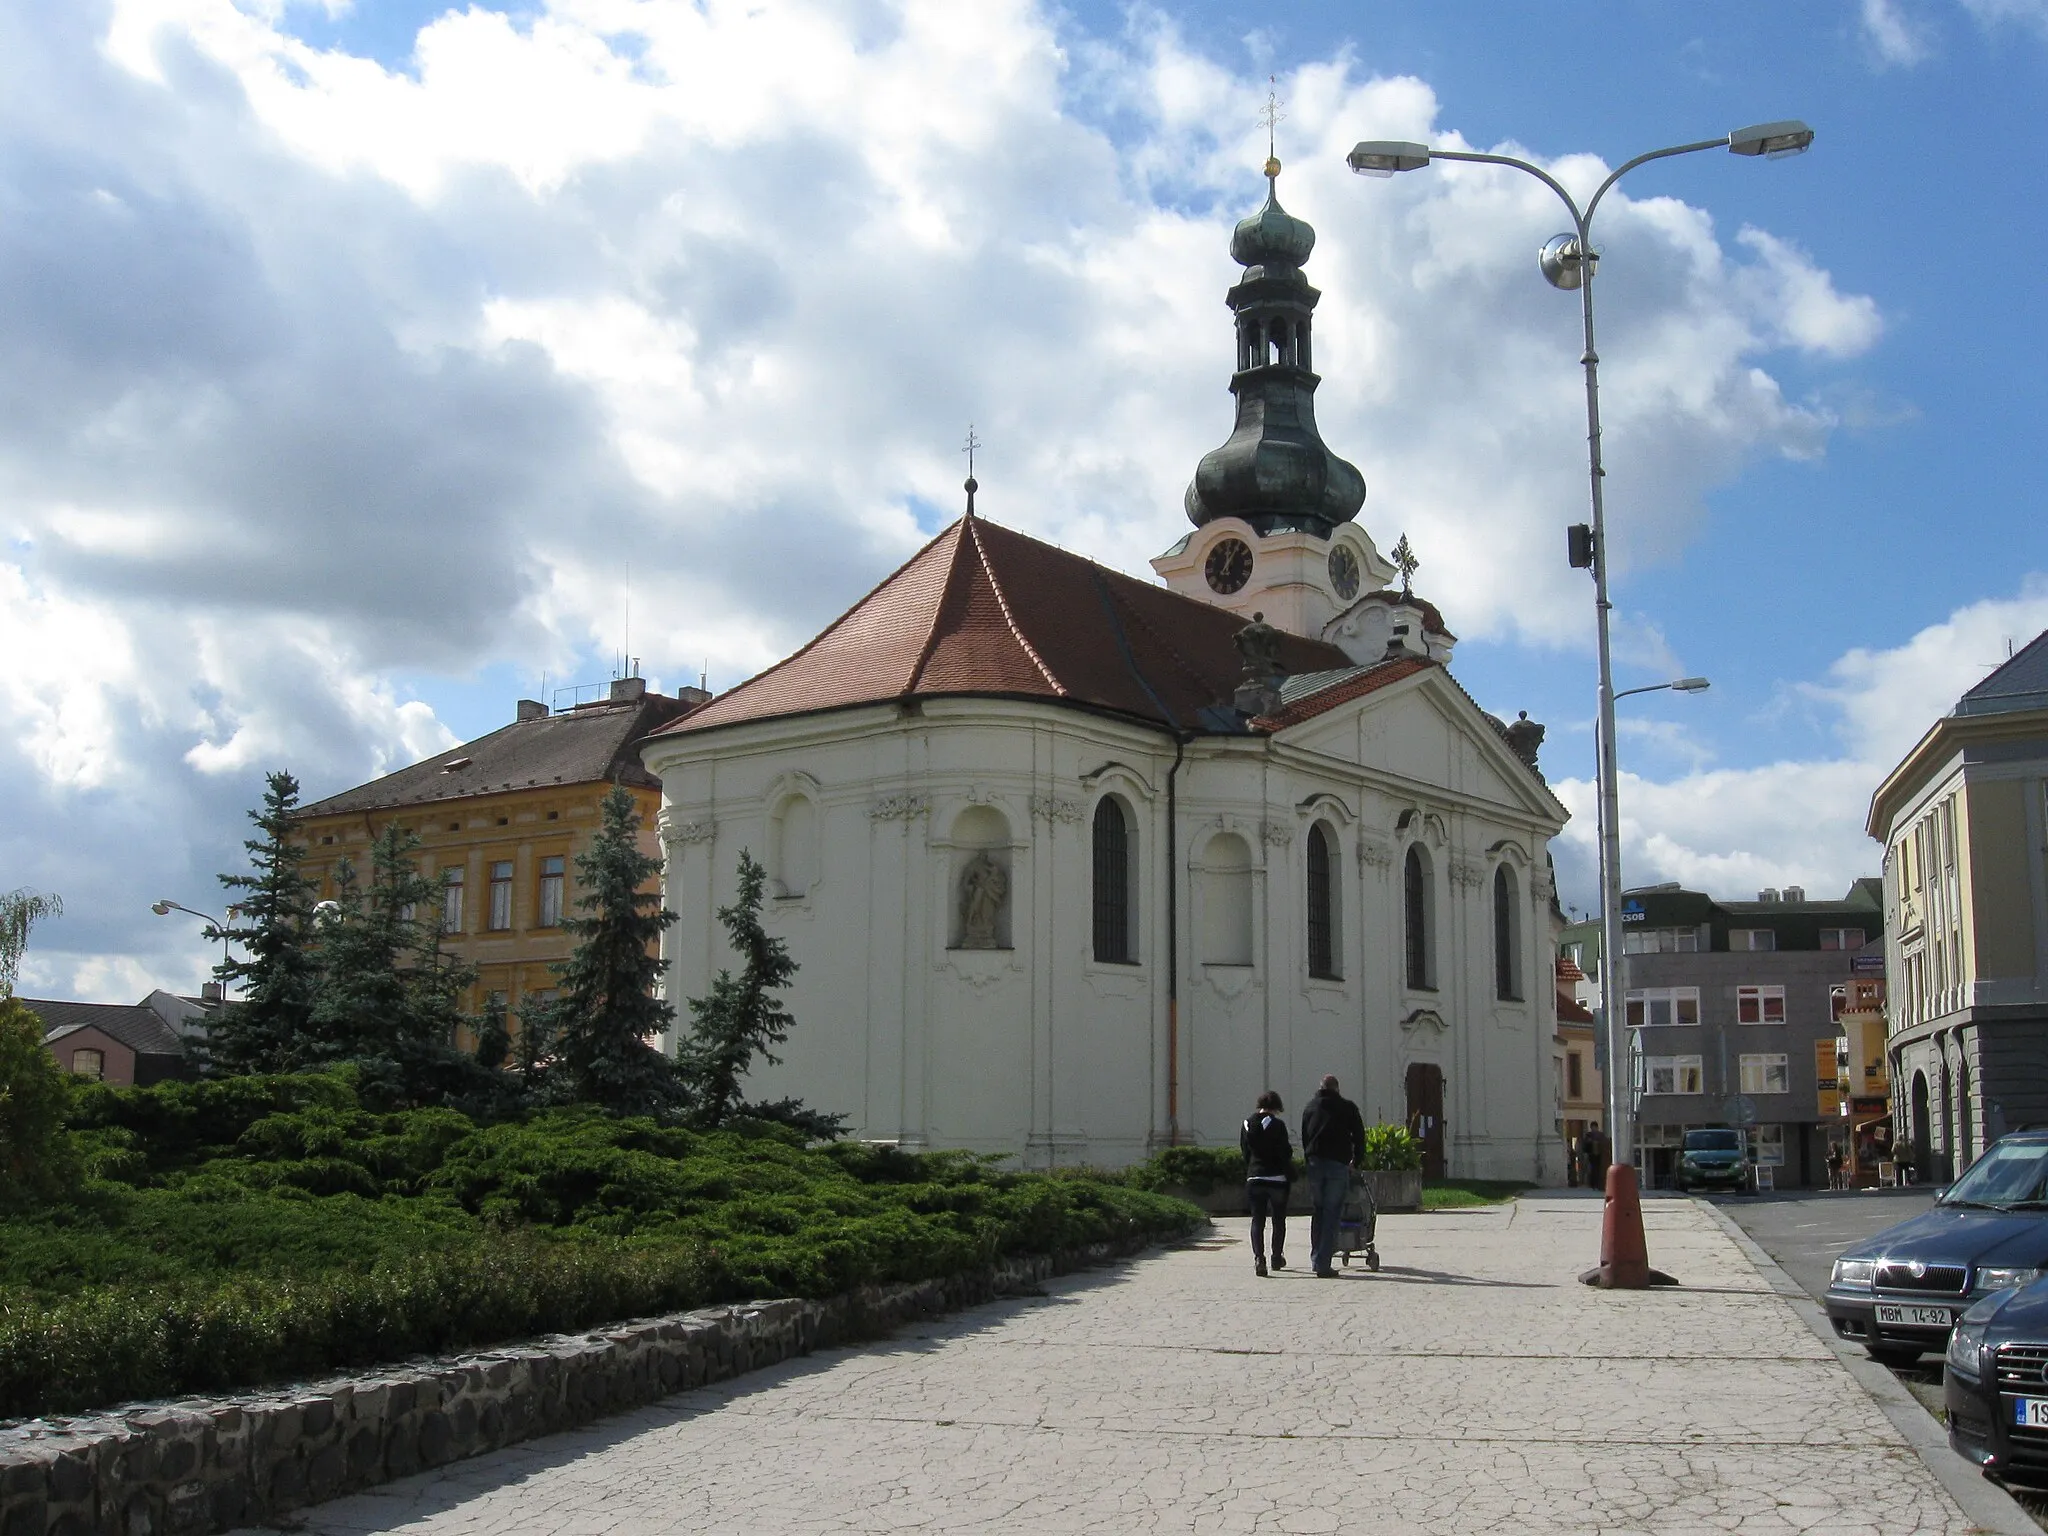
(1322, 905)
(1417, 925)
(1507, 952)
(1112, 883)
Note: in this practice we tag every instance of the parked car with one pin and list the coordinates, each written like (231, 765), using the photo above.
(1715, 1158)
(1898, 1293)
(1995, 1384)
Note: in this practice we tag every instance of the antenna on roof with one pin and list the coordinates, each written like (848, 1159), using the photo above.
(973, 485)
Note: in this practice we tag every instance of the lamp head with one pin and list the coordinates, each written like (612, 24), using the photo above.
(1561, 262)
(1773, 140)
(1692, 685)
(1383, 157)
(161, 908)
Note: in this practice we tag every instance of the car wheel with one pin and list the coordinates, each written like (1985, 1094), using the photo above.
(1897, 1356)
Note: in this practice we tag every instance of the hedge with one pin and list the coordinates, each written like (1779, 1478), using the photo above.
(258, 1230)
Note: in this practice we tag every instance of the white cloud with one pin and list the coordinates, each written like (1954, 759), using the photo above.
(1731, 831)
(322, 371)
(1893, 37)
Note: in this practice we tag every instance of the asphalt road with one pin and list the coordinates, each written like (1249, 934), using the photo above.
(1804, 1229)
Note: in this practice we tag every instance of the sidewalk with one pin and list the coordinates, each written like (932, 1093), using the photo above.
(1471, 1386)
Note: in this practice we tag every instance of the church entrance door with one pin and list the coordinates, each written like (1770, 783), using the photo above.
(1426, 1114)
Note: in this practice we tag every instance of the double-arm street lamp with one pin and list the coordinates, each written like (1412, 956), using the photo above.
(1568, 262)
(216, 930)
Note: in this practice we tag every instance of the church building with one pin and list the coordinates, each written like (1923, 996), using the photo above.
(1075, 864)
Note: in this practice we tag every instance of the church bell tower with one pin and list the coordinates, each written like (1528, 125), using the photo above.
(1273, 508)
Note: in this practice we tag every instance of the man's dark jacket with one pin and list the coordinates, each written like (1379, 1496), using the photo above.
(1332, 1128)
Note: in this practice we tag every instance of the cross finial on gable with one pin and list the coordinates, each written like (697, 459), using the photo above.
(1405, 562)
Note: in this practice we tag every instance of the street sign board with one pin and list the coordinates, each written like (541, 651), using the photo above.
(1866, 965)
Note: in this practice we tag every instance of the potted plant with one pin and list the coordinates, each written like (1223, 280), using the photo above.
(1392, 1166)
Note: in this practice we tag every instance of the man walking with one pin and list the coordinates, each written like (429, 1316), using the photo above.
(1332, 1142)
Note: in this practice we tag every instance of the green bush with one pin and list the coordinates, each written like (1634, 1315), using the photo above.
(1200, 1169)
(36, 1151)
(252, 1230)
(1390, 1148)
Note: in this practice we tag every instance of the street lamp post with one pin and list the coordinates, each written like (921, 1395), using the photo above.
(166, 907)
(1621, 1101)
(1568, 262)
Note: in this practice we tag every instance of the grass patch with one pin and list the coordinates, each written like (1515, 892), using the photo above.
(1462, 1194)
(257, 1230)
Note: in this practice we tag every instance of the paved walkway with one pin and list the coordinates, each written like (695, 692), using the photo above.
(1471, 1386)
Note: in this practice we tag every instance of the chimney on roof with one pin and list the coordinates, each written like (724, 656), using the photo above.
(532, 709)
(693, 696)
(628, 690)
(210, 992)
(1768, 895)
(1795, 893)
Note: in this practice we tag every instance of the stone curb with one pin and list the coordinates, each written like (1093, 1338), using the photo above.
(1987, 1504)
(199, 1464)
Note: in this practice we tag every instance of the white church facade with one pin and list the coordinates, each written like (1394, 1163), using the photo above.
(1075, 864)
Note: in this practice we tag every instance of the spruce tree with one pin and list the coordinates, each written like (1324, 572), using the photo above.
(600, 1024)
(272, 922)
(743, 1018)
(388, 998)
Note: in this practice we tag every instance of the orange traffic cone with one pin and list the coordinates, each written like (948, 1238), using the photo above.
(1624, 1252)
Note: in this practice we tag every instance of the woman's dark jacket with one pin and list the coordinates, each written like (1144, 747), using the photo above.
(1267, 1152)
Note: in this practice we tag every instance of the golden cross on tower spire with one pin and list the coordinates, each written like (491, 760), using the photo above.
(1272, 117)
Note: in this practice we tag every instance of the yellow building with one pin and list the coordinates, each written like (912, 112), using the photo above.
(1964, 822)
(500, 822)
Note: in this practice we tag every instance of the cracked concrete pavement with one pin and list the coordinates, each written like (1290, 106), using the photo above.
(1472, 1385)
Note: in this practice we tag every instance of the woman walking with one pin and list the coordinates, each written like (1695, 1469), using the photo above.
(1268, 1170)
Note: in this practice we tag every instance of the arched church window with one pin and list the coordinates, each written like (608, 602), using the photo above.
(1507, 926)
(1419, 918)
(795, 846)
(1322, 904)
(1112, 883)
(1227, 901)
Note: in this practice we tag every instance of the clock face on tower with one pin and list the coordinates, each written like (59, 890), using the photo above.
(1229, 565)
(1344, 572)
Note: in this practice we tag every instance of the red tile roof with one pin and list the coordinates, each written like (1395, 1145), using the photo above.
(982, 610)
(1571, 1011)
(1369, 680)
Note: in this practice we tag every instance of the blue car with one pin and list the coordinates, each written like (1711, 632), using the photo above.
(1899, 1293)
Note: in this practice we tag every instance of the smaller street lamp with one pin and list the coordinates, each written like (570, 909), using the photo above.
(166, 907)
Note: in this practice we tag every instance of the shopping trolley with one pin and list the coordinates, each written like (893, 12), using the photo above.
(1358, 1223)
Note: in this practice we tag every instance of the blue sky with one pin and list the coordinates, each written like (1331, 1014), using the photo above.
(360, 366)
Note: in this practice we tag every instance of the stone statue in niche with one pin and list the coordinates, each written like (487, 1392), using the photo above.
(984, 887)
(1525, 738)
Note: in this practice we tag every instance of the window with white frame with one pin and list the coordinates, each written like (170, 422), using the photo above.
(1766, 1074)
(451, 898)
(501, 895)
(1841, 938)
(1768, 1143)
(1660, 941)
(1760, 1005)
(1672, 1074)
(1752, 938)
(552, 875)
(1657, 1006)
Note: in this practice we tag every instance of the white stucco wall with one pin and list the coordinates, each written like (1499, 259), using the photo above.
(1042, 1051)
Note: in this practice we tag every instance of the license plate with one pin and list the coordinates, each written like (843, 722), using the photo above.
(2030, 1412)
(1913, 1317)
